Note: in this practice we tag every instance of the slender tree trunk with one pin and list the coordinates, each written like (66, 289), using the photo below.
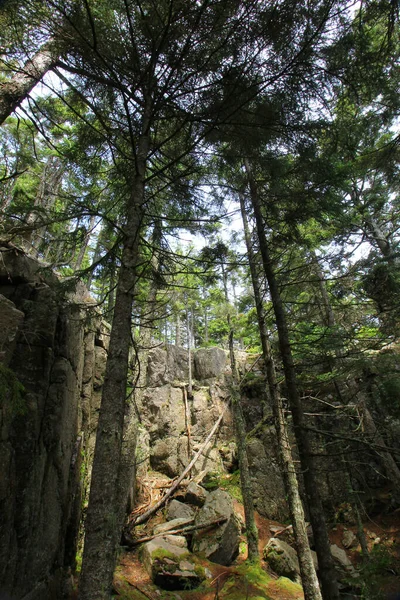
(245, 479)
(85, 243)
(354, 501)
(240, 429)
(189, 338)
(307, 569)
(378, 236)
(49, 187)
(103, 526)
(317, 517)
(177, 331)
(23, 81)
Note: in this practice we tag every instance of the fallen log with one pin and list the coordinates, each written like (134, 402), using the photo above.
(142, 518)
(181, 530)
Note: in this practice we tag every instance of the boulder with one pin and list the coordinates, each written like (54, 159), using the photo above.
(170, 565)
(342, 561)
(349, 539)
(167, 366)
(169, 455)
(282, 559)
(179, 510)
(195, 494)
(209, 363)
(170, 525)
(220, 544)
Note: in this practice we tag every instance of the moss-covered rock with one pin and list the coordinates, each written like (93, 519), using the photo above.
(170, 565)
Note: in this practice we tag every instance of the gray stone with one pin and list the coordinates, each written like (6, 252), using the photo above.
(220, 544)
(209, 363)
(179, 510)
(349, 540)
(40, 443)
(171, 566)
(342, 560)
(170, 525)
(168, 365)
(195, 494)
(282, 559)
(268, 490)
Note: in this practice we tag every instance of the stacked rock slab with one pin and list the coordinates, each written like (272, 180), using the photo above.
(45, 346)
(221, 544)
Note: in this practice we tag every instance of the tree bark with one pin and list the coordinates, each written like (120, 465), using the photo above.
(85, 243)
(189, 341)
(103, 526)
(307, 569)
(317, 517)
(16, 89)
(245, 479)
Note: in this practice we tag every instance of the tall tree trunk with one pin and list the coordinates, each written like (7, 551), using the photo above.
(103, 525)
(245, 479)
(307, 569)
(16, 89)
(85, 243)
(177, 330)
(317, 517)
(378, 236)
(49, 187)
(189, 340)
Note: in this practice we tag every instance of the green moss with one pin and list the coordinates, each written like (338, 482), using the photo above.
(161, 553)
(231, 484)
(11, 392)
(211, 481)
(289, 586)
(200, 571)
(238, 589)
(254, 574)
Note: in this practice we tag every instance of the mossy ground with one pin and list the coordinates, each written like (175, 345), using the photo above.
(244, 581)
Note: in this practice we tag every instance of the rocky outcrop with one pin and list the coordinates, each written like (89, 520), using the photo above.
(49, 368)
(169, 422)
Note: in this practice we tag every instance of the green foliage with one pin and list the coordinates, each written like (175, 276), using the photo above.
(11, 392)
(374, 571)
(231, 484)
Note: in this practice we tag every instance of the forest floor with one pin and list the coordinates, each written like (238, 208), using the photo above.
(236, 582)
(379, 578)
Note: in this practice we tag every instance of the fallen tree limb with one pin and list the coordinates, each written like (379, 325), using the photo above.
(142, 518)
(182, 530)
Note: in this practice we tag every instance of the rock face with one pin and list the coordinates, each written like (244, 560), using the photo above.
(220, 544)
(170, 565)
(168, 422)
(48, 346)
